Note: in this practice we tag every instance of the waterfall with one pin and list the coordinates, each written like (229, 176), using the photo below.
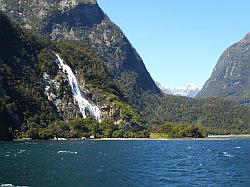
(84, 105)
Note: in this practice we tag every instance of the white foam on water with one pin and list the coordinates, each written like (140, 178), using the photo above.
(137, 147)
(84, 104)
(62, 152)
(11, 185)
(71, 152)
(227, 155)
(100, 170)
(238, 147)
(7, 185)
(21, 151)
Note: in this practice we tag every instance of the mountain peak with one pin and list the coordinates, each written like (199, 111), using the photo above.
(191, 86)
(77, 1)
(230, 78)
(84, 21)
(246, 38)
(69, 4)
(164, 89)
(190, 90)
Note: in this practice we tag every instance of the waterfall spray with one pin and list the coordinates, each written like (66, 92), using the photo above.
(84, 105)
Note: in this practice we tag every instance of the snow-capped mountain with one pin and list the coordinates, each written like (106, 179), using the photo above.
(190, 90)
(164, 89)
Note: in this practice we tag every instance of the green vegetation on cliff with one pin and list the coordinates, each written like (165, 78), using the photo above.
(85, 22)
(24, 59)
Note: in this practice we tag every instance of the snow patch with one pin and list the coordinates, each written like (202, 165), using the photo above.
(190, 90)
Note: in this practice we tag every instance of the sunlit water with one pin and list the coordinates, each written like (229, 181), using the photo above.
(126, 163)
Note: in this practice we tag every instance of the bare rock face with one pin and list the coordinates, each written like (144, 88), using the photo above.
(231, 75)
(58, 92)
(84, 20)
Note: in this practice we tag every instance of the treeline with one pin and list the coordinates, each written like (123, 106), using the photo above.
(177, 130)
(217, 116)
(84, 128)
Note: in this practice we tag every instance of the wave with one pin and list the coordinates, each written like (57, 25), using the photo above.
(71, 152)
(227, 155)
(11, 185)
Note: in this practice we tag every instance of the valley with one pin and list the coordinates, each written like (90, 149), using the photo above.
(70, 72)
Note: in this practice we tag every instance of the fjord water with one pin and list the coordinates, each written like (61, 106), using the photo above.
(126, 163)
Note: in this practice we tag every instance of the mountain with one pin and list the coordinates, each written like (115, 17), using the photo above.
(42, 81)
(164, 89)
(191, 90)
(49, 83)
(83, 20)
(230, 78)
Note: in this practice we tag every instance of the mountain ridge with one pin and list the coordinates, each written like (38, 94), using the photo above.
(86, 22)
(36, 92)
(230, 77)
(190, 90)
(112, 88)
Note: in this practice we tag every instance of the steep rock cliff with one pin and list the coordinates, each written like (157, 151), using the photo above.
(84, 20)
(231, 76)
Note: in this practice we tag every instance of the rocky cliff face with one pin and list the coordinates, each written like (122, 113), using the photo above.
(231, 75)
(84, 20)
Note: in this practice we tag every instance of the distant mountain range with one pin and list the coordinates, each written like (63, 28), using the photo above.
(190, 90)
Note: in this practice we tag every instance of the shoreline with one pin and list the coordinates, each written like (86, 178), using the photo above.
(219, 137)
(212, 137)
(229, 136)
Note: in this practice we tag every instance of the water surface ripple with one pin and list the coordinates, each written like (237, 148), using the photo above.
(125, 163)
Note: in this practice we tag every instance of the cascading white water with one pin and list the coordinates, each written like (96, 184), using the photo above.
(84, 104)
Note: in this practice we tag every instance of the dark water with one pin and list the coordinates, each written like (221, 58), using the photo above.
(126, 163)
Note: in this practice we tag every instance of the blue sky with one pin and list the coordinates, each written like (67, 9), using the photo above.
(180, 41)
